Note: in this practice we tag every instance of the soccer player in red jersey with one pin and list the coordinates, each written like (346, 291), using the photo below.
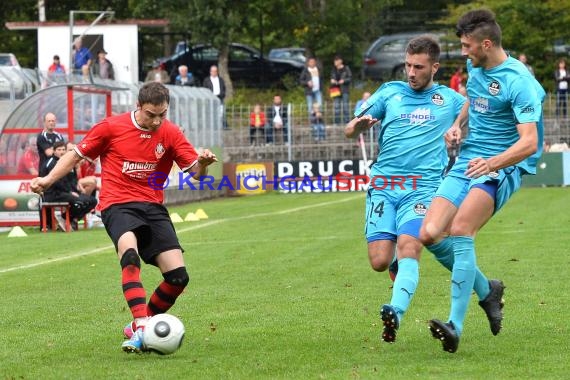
(137, 150)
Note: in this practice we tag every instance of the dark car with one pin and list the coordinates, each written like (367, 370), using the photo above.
(246, 65)
(384, 59)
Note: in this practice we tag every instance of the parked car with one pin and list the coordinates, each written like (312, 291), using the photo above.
(11, 76)
(246, 65)
(288, 54)
(9, 59)
(560, 47)
(384, 58)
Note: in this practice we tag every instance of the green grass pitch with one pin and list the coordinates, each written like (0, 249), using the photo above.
(281, 289)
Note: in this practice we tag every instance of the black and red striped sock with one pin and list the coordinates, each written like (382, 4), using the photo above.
(132, 286)
(168, 291)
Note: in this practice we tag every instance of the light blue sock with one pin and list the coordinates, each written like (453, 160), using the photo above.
(405, 285)
(462, 279)
(443, 252)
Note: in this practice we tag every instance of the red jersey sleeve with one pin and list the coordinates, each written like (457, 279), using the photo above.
(94, 143)
(185, 155)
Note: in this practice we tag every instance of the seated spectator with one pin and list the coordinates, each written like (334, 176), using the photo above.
(29, 161)
(277, 119)
(63, 190)
(317, 123)
(256, 124)
(184, 77)
(83, 178)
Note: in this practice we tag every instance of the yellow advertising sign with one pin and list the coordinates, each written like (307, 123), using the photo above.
(250, 179)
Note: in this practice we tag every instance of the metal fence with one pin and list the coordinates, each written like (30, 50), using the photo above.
(239, 146)
(197, 111)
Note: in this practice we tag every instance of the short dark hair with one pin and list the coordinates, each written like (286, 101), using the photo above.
(424, 44)
(59, 144)
(479, 24)
(154, 93)
(56, 57)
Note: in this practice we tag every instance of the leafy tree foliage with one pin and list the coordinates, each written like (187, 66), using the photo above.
(324, 27)
(528, 27)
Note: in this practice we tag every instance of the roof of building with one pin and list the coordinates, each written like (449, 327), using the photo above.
(29, 25)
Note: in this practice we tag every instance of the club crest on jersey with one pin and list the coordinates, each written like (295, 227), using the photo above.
(437, 99)
(420, 209)
(159, 151)
(494, 88)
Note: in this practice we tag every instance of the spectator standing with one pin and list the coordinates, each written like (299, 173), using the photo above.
(256, 124)
(317, 123)
(102, 67)
(311, 80)
(184, 77)
(561, 77)
(157, 74)
(56, 68)
(341, 76)
(81, 56)
(523, 59)
(456, 80)
(46, 139)
(218, 87)
(277, 119)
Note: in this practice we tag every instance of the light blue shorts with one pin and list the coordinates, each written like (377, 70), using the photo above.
(390, 213)
(456, 185)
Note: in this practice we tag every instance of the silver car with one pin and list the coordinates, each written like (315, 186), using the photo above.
(384, 58)
(11, 77)
(288, 54)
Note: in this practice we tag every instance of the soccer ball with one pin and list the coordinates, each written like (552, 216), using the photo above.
(163, 334)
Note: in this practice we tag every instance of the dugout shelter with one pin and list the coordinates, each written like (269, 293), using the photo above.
(77, 107)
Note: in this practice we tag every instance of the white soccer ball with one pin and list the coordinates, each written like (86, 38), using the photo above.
(163, 334)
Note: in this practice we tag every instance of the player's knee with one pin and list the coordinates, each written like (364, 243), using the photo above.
(428, 234)
(379, 262)
(462, 227)
(130, 257)
(177, 277)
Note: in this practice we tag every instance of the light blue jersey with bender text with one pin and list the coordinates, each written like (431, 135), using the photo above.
(412, 127)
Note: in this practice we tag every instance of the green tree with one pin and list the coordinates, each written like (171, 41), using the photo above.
(529, 27)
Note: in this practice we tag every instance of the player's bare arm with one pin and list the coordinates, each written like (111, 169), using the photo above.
(453, 134)
(523, 148)
(205, 159)
(63, 166)
(358, 125)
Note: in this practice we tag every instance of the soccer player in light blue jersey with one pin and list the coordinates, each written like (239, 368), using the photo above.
(504, 142)
(414, 117)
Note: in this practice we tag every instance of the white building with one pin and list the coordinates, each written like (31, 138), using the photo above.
(119, 38)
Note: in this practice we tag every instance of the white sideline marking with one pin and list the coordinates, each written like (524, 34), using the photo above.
(183, 230)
